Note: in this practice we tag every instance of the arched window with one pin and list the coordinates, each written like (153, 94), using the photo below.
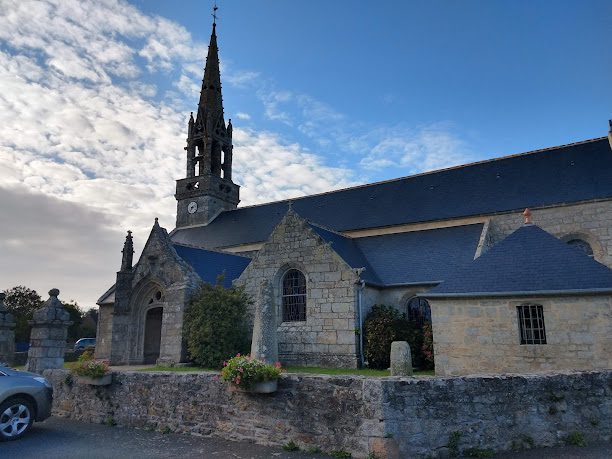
(418, 311)
(294, 296)
(582, 245)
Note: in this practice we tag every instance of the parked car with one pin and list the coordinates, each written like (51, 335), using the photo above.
(84, 343)
(24, 398)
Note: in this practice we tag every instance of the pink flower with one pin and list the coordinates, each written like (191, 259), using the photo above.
(238, 355)
(241, 370)
(237, 379)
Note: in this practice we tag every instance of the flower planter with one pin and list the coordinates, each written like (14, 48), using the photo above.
(103, 381)
(263, 387)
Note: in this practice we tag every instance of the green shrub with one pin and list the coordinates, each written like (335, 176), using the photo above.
(340, 454)
(575, 439)
(383, 325)
(291, 446)
(215, 324)
(453, 443)
(427, 347)
(479, 452)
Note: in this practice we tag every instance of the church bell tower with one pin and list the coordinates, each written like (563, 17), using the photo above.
(207, 189)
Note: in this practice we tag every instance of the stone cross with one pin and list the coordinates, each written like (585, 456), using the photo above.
(264, 345)
(401, 359)
(49, 332)
(7, 334)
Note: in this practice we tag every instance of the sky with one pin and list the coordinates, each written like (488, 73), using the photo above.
(95, 97)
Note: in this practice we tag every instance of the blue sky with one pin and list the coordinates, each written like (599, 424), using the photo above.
(500, 77)
(95, 95)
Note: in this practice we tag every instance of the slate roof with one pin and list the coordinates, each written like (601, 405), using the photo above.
(529, 261)
(209, 264)
(417, 257)
(570, 173)
(349, 251)
(420, 257)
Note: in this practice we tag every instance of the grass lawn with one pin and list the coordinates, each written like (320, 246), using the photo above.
(309, 370)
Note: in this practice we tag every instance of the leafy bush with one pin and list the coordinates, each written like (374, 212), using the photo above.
(383, 325)
(244, 371)
(427, 348)
(215, 324)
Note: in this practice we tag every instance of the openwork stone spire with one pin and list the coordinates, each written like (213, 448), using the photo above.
(208, 136)
(128, 253)
(207, 189)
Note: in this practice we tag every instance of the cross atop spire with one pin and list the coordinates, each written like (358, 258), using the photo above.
(214, 14)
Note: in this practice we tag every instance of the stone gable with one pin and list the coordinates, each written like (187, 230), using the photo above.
(327, 337)
(159, 269)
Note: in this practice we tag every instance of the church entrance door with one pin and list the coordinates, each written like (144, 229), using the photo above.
(152, 337)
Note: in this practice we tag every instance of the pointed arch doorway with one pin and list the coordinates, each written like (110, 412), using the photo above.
(152, 334)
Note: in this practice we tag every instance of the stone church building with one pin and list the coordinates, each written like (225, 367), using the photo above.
(450, 246)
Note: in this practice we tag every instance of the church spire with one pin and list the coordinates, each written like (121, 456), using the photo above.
(209, 140)
(207, 188)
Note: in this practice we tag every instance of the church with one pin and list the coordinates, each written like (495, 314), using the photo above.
(509, 258)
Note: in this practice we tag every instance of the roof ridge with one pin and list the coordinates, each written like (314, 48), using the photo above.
(189, 246)
(420, 174)
(325, 228)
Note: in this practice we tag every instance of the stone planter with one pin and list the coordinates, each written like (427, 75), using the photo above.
(263, 387)
(103, 381)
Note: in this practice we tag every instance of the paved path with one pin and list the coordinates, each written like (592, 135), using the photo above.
(58, 438)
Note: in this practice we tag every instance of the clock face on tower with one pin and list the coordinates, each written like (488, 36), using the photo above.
(192, 207)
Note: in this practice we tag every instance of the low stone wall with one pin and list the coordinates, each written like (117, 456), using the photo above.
(392, 417)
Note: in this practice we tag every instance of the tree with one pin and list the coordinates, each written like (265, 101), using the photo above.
(76, 316)
(22, 302)
(215, 324)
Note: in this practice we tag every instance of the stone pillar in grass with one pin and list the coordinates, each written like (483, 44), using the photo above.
(48, 338)
(264, 345)
(7, 334)
(401, 359)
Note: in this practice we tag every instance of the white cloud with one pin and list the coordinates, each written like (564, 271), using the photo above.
(81, 137)
(239, 78)
(243, 116)
(414, 150)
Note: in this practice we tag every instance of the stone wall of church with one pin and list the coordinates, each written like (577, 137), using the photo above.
(480, 335)
(327, 337)
(587, 221)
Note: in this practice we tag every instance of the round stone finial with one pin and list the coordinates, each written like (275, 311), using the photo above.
(54, 292)
(527, 216)
(156, 221)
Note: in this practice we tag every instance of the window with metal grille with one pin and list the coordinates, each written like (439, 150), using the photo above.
(531, 324)
(294, 296)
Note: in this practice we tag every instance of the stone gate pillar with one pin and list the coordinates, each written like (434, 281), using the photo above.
(7, 334)
(48, 339)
